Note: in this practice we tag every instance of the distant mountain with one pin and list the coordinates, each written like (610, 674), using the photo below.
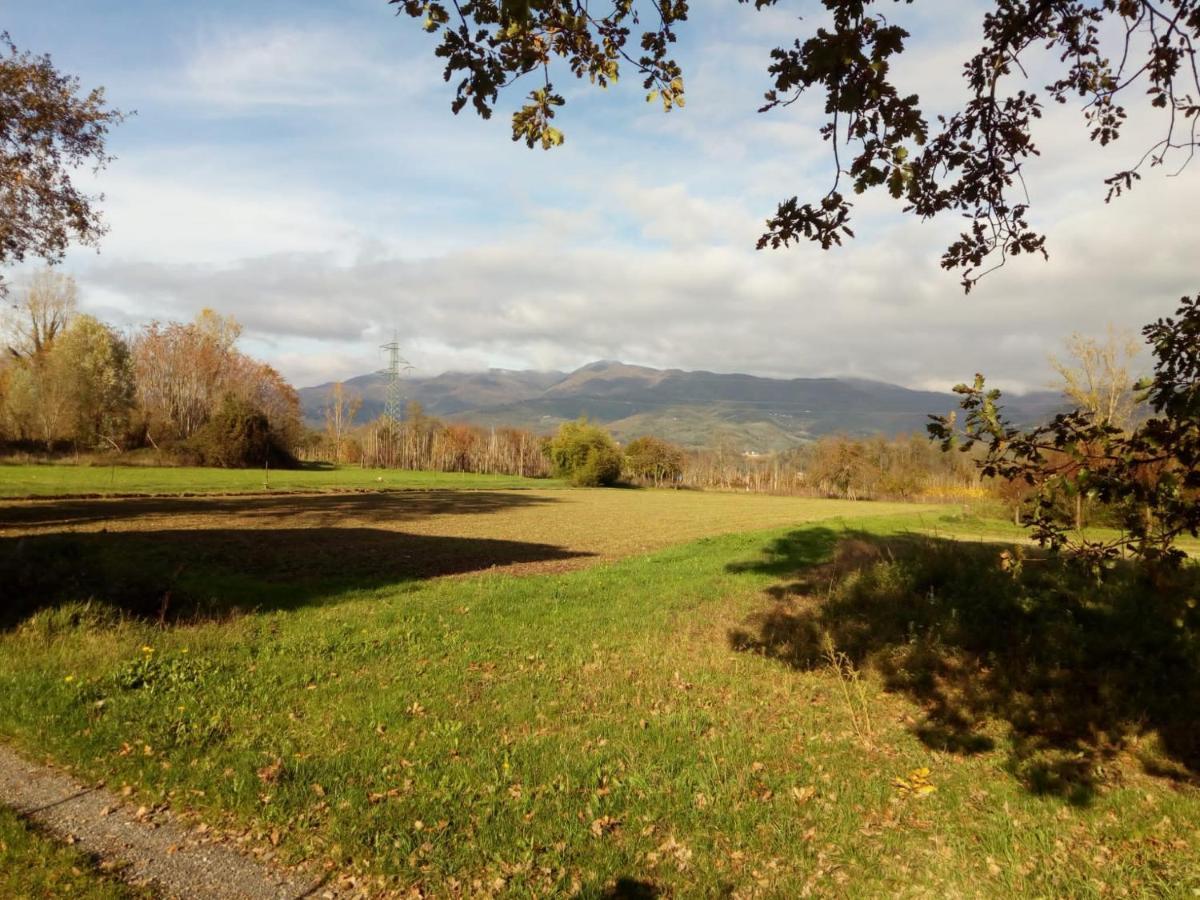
(695, 409)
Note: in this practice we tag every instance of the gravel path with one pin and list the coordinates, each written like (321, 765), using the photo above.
(153, 849)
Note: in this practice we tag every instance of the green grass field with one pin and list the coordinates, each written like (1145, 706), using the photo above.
(58, 479)
(631, 723)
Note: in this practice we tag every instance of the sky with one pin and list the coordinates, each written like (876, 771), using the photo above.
(296, 164)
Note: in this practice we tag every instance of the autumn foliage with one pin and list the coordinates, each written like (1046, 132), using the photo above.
(69, 381)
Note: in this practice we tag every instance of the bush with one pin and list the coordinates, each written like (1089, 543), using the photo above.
(654, 460)
(585, 455)
(238, 436)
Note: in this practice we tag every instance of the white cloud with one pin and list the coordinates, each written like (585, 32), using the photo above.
(306, 65)
(312, 182)
(876, 309)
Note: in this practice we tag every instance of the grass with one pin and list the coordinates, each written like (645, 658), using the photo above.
(649, 724)
(33, 865)
(983, 524)
(48, 480)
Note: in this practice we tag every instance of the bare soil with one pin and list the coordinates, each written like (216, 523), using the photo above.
(423, 533)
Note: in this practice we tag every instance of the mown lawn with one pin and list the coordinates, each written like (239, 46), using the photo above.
(64, 479)
(34, 866)
(656, 723)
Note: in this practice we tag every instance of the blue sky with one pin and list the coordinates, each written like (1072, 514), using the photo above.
(296, 164)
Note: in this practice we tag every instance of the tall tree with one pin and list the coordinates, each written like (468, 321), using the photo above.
(968, 163)
(92, 363)
(48, 129)
(1096, 376)
(339, 416)
(44, 312)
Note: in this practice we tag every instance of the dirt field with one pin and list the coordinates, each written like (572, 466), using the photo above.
(420, 533)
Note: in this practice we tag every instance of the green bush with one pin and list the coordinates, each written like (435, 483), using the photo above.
(654, 460)
(238, 436)
(585, 455)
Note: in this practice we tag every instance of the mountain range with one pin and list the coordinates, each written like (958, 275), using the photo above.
(694, 409)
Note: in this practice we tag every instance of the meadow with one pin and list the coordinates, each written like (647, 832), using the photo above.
(609, 692)
(49, 480)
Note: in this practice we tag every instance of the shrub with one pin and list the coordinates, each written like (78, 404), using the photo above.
(653, 459)
(238, 436)
(585, 455)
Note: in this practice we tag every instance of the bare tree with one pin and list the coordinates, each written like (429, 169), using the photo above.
(44, 312)
(1096, 375)
(339, 416)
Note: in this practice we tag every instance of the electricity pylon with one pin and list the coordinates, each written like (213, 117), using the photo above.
(397, 368)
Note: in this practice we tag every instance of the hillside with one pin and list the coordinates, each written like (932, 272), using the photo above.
(696, 409)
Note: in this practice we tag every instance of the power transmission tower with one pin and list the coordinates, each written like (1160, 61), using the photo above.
(398, 366)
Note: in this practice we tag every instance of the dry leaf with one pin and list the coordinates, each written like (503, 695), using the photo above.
(604, 825)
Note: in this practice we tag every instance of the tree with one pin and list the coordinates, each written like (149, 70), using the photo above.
(585, 455)
(1149, 476)
(184, 370)
(48, 129)
(93, 364)
(237, 436)
(77, 388)
(1097, 380)
(45, 311)
(1095, 376)
(968, 163)
(339, 416)
(654, 460)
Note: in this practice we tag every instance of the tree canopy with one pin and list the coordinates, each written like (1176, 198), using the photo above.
(48, 129)
(969, 162)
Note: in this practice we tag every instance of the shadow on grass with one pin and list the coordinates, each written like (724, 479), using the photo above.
(319, 509)
(624, 888)
(1079, 672)
(180, 575)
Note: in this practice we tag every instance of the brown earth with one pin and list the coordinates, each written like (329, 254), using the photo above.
(552, 529)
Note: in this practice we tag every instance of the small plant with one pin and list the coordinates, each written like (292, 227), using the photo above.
(852, 689)
(163, 674)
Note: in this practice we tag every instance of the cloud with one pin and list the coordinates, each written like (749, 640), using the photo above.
(307, 177)
(876, 309)
(307, 65)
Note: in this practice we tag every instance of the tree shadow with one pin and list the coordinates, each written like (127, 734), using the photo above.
(1077, 671)
(624, 888)
(317, 509)
(183, 574)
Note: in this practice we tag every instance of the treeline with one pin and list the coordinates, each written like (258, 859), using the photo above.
(910, 467)
(421, 441)
(903, 468)
(69, 382)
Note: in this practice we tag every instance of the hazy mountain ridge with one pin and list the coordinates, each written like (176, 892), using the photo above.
(695, 409)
